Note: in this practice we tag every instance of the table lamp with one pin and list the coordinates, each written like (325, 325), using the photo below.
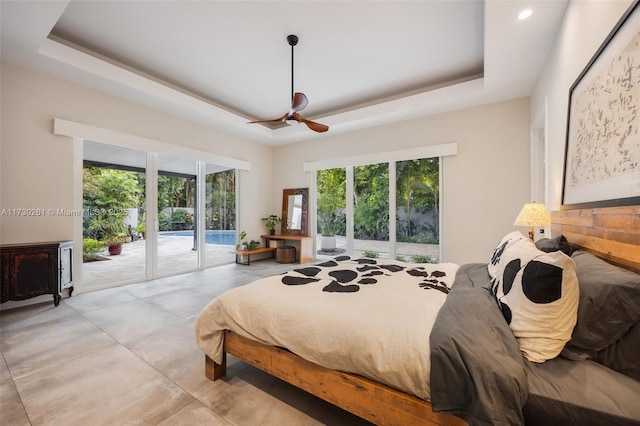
(533, 214)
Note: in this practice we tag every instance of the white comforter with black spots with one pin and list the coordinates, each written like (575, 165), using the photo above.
(364, 316)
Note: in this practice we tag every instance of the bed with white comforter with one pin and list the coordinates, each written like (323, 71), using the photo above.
(372, 317)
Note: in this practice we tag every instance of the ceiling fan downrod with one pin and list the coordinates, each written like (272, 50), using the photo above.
(293, 40)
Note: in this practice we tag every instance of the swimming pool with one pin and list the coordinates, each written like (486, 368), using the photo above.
(226, 238)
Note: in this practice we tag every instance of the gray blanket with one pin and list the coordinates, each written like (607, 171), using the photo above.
(477, 371)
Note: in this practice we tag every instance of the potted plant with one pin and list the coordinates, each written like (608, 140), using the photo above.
(113, 230)
(114, 244)
(243, 244)
(271, 222)
(328, 224)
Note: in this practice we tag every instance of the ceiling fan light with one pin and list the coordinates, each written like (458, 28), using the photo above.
(291, 121)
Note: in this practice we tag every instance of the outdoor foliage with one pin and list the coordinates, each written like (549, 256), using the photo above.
(331, 185)
(418, 193)
(331, 223)
(175, 191)
(220, 209)
(417, 200)
(371, 202)
(420, 258)
(179, 192)
(91, 249)
(331, 198)
(183, 217)
(107, 194)
(164, 222)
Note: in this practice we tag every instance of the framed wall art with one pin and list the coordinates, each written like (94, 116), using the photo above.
(602, 152)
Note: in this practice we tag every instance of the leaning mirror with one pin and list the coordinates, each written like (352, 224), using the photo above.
(294, 211)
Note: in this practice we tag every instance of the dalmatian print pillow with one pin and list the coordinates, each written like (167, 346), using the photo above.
(507, 241)
(537, 293)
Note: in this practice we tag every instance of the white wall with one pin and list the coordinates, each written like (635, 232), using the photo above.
(486, 184)
(36, 166)
(585, 26)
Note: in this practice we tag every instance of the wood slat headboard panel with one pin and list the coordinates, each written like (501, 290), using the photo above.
(612, 233)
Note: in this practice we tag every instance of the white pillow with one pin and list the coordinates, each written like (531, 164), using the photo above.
(508, 240)
(538, 295)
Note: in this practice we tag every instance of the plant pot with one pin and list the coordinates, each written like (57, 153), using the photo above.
(115, 249)
(328, 243)
(272, 232)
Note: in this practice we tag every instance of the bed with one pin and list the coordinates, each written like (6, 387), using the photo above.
(513, 389)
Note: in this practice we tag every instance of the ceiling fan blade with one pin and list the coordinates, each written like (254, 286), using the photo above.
(299, 102)
(316, 127)
(275, 120)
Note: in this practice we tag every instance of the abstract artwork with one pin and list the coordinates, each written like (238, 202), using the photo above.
(602, 159)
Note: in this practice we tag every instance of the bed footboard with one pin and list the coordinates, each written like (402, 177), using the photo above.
(365, 398)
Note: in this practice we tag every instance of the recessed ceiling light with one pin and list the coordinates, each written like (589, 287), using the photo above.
(525, 14)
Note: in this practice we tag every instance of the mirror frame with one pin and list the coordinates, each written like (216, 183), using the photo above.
(285, 211)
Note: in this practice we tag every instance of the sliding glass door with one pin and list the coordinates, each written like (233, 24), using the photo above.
(220, 215)
(177, 242)
(113, 193)
(148, 215)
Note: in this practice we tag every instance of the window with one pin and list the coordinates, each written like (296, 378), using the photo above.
(389, 210)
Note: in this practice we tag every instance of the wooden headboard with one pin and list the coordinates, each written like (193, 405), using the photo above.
(612, 233)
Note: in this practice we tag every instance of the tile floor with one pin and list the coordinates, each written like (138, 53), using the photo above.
(128, 355)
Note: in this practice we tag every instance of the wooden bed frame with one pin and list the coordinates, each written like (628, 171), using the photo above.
(611, 233)
(365, 398)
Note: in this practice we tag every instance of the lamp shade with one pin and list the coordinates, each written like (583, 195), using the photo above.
(533, 214)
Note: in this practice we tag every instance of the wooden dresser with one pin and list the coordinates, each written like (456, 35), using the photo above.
(33, 269)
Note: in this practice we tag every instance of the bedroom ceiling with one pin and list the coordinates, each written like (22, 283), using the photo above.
(223, 63)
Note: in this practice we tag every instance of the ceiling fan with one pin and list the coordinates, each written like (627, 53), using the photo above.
(298, 102)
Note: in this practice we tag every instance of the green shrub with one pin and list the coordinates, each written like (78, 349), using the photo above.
(184, 217)
(107, 194)
(421, 258)
(164, 223)
(91, 249)
(371, 254)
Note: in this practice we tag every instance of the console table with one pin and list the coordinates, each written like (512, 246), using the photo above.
(34, 269)
(304, 252)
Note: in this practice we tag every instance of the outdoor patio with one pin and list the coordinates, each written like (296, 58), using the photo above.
(175, 254)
